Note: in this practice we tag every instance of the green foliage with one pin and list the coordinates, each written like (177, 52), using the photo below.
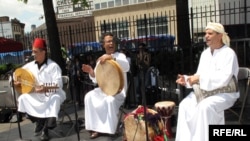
(84, 2)
(3, 69)
(7, 67)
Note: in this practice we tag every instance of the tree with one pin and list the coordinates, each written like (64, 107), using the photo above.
(183, 31)
(52, 30)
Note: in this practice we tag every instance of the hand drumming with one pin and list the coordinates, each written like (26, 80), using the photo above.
(181, 80)
(88, 69)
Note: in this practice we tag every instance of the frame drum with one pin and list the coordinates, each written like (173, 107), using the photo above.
(110, 77)
(27, 80)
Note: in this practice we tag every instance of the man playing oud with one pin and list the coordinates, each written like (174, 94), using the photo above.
(41, 104)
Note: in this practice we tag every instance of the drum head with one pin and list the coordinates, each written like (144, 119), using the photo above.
(164, 104)
(165, 108)
(27, 80)
(109, 77)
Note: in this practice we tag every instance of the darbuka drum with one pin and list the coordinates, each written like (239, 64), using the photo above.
(231, 87)
(27, 80)
(166, 109)
(110, 77)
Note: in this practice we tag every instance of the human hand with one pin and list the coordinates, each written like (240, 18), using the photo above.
(104, 57)
(17, 83)
(39, 89)
(88, 69)
(181, 80)
(193, 79)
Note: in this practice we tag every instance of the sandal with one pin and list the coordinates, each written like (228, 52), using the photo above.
(94, 135)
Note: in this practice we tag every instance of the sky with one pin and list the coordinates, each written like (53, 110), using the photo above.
(26, 13)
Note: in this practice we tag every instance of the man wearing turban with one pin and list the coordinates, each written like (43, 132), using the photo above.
(42, 106)
(218, 64)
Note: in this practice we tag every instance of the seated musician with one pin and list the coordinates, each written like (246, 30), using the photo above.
(101, 110)
(218, 64)
(42, 104)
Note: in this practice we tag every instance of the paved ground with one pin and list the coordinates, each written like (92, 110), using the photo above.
(10, 131)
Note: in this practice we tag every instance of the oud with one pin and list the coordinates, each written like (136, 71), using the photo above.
(27, 83)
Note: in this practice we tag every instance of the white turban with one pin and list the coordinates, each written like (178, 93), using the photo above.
(217, 27)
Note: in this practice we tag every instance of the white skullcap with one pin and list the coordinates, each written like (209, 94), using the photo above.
(217, 27)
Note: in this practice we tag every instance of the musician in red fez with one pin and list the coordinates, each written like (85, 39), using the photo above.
(40, 43)
(42, 93)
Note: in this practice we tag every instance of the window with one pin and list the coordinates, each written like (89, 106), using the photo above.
(111, 4)
(123, 29)
(104, 5)
(125, 2)
(97, 6)
(118, 3)
(119, 29)
(161, 25)
(133, 1)
(155, 26)
(141, 27)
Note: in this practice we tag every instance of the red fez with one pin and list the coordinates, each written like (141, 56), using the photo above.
(39, 43)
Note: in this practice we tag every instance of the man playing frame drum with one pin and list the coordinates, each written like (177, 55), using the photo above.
(101, 104)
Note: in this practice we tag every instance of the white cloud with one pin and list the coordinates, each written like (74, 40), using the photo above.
(26, 13)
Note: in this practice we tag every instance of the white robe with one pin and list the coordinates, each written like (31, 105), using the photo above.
(101, 110)
(41, 105)
(215, 71)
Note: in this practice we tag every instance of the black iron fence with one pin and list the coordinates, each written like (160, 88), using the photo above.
(158, 31)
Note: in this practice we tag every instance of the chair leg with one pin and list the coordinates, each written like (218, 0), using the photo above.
(60, 133)
(70, 120)
(65, 114)
(244, 101)
(120, 123)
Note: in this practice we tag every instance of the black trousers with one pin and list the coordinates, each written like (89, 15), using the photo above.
(49, 123)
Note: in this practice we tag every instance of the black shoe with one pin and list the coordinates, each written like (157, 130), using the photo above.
(45, 135)
(81, 123)
(38, 129)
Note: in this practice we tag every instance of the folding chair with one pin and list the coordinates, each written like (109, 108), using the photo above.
(63, 111)
(122, 112)
(6, 95)
(243, 78)
(120, 125)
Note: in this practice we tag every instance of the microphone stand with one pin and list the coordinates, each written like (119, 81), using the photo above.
(15, 102)
(75, 107)
(144, 100)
